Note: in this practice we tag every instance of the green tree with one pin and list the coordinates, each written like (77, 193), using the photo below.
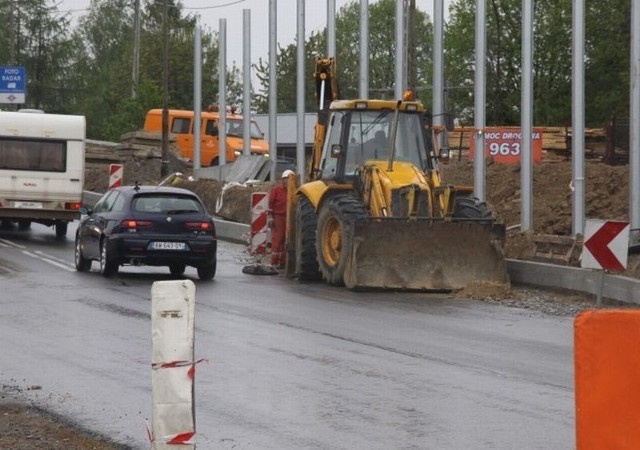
(381, 57)
(106, 33)
(607, 46)
(37, 37)
(503, 34)
(607, 31)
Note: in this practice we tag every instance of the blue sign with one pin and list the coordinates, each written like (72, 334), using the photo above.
(13, 83)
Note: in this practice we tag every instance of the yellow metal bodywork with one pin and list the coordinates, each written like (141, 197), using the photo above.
(411, 251)
(424, 255)
(389, 224)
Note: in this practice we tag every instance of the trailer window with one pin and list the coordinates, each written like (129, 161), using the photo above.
(37, 155)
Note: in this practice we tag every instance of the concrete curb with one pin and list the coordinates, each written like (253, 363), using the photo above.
(577, 279)
(521, 272)
(238, 233)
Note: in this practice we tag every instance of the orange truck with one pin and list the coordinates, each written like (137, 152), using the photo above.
(181, 124)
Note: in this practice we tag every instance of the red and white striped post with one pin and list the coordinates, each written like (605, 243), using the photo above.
(115, 175)
(259, 224)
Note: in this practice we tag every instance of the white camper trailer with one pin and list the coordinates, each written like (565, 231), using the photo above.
(41, 168)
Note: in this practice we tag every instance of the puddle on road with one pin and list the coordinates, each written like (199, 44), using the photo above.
(117, 309)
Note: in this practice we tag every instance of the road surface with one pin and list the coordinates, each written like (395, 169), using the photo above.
(289, 365)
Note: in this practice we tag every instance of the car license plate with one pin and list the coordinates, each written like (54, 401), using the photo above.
(168, 245)
(28, 205)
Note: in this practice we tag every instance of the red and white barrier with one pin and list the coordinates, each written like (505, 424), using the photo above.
(259, 223)
(116, 172)
(173, 364)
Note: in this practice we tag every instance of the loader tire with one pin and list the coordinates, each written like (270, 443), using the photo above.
(471, 208)
(334, 242)
(306, 223)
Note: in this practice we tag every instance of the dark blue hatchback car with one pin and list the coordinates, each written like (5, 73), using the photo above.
(148, 225)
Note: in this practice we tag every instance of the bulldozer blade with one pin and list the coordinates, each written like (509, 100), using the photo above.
(425, 255)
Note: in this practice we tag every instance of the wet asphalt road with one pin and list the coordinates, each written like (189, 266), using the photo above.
(290, 365)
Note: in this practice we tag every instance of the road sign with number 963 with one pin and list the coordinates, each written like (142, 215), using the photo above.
(504, 145)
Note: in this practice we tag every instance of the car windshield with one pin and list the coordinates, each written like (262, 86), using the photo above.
(166, 204)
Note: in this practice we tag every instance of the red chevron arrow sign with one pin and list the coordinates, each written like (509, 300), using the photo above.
(606, 245)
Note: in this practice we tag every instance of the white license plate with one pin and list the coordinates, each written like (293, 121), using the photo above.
(168, 246)
(28, 205)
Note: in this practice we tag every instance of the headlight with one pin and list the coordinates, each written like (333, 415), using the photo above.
(237, 153)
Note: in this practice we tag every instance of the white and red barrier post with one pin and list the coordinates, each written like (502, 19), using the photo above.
(259, 225)
(115, 175)
(173, 364)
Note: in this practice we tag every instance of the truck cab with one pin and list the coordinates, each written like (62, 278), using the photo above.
(181, 125)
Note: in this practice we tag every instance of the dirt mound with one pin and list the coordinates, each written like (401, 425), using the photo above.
(229, 201)
(606, 192)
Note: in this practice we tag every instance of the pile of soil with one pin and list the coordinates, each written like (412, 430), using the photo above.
(606, 192)
(606, 198)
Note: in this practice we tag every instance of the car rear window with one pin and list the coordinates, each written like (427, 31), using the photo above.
(166, 204)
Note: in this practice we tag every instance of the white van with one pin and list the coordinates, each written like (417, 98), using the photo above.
(41, 169)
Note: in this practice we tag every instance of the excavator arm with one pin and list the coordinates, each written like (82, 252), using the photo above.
(326, 92)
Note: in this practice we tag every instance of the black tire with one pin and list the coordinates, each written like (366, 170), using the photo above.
(24, 225)
(471, 208)
(82, 264)
(108, 266)
(207, 272)
(334, 238)
(305, 238)
(177, 270)
(61, 229)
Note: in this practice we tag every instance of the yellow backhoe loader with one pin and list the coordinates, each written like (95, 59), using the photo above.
(375, 213)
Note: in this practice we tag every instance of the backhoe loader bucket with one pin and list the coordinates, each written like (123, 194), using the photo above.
(424, 254)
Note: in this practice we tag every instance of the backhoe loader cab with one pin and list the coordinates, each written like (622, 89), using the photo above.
(361, 131)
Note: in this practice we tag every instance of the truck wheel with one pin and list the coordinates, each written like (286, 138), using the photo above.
(82, 264)
(61, 229)
(207, 272)
(107, 265)
(306, 260)
(24, 225)
(334, 237)
(471, 208)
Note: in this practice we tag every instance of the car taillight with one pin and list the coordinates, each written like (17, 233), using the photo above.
(74, 206)
(131, 224)
(199, 226)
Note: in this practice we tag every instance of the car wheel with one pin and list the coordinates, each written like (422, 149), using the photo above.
(82, 264)
(177, 269)
(207, 272)
(107, 264)
(24, 225)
